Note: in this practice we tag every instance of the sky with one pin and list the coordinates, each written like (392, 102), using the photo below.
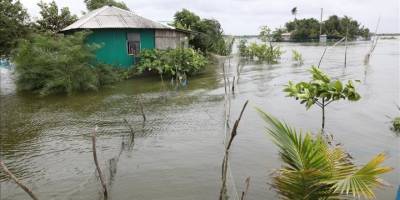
(245, 17)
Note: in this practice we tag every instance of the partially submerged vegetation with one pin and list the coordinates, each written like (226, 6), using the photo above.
(264, 52)
(296, 56)
(178, 63)
(45, 66)
(321, 91)
(396, 124)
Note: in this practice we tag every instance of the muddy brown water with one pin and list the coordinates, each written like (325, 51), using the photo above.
(177, 153)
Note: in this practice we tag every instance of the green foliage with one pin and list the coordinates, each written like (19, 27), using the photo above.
(49, 64)
(335, 28)
(172, 62)
(207, 34)
(243, 49)
(13, 25)
(107, 74)
(263, 53)
(296, 56)
(95, 4)
(185, 19)
(321, 90)
(396, 124)
(313, 169)
(277, 34)
(51, 19)
(303, 29)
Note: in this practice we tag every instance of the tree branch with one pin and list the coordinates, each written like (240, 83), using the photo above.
(26, 189)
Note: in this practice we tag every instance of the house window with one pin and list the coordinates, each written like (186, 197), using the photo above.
(133, 43)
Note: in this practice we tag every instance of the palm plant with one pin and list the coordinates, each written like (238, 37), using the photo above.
(294, 12)
(314, 170)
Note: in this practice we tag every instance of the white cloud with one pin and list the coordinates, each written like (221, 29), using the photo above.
(246, 16)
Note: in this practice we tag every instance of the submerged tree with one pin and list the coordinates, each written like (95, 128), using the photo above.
(52, 19)
(94, 4)
(14, 22)
(314, 170)
(44, 65)
(321, 91)
(296, 56)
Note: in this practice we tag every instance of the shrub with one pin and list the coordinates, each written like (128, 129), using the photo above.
(49, 64)
(396, 124)
(296, 56)
(171, 62)
(260, 52)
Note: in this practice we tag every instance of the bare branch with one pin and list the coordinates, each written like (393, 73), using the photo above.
(244, 193)
(15, 179)
(96, 162)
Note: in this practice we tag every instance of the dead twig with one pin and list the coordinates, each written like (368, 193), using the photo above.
(244, 193)
(225, 161)
(96, 162)
(142, 109)
(15, 179)
(235, 126)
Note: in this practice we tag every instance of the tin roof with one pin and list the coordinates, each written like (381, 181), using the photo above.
(113, 17)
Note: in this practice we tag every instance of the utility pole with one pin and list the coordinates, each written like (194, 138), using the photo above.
(320, 24)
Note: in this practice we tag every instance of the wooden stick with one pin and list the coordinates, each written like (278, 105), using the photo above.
(15, 179)
(244, 193)
(225, 161)
(233, 85)
(235, 126)
(345, 44)
(96, 162)
(142, 109)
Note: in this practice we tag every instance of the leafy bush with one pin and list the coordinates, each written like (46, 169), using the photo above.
(396, 124)
(208, 34)
(296, 56)
(171, 62)
(49, 64)
(243, 50)
(260, 52)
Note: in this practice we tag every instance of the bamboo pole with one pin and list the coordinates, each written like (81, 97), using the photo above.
(96, 162)
(345, 44)
(18, 182)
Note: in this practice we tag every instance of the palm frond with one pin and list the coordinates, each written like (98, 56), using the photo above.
(314, 170)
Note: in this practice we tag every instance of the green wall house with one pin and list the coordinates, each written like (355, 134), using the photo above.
(123, 34)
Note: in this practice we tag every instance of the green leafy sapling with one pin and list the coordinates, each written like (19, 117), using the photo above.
(321, 91)
(296, 56)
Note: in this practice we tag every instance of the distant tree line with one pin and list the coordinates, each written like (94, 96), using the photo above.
(335, 28)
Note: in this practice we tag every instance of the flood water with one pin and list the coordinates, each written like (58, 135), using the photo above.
(177, 153)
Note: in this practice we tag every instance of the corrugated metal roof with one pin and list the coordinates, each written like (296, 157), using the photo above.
(113, 17)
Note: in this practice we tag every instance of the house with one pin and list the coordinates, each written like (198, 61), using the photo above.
(122, 35)
(286, 37)
(323, 38)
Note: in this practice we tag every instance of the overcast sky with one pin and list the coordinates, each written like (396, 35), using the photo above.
(246, 16)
